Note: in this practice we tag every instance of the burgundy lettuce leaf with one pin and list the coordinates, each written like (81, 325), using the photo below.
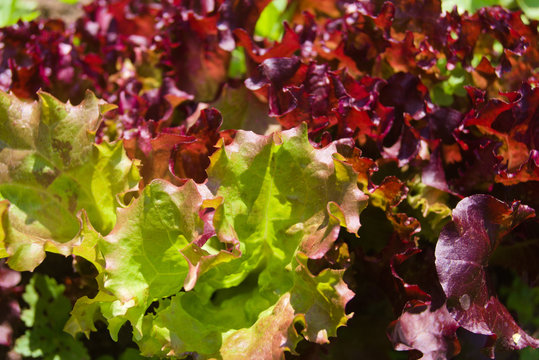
(272, 81)
(400, 247)
(410, 291)
(495, 142)
(433, 173)
(154, 153)
(430, 331)
(512, 122)
(109, 33)
(117, 20)
(277, 72)
(406, 93)
(192, 54)
(405, 272)
(136, 107)
(412, 268)
(196, 43)
(411, 36)
(477, 33)
(442, 122)
(332, 103)
(356, 39)
(361, 113)
(190, 159)
(462, 256)
(110, 30)
(409, 97)
(417, 15)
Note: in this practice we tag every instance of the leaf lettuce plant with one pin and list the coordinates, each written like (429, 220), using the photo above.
(227, 261)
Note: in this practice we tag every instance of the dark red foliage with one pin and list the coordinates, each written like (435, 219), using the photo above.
(462, 254)
(40, 55)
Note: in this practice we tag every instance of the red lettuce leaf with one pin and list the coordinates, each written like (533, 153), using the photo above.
(462, 254)
(512, 122)
(431, 331)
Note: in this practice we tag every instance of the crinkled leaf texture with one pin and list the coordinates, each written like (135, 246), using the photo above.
(51, 171)
(271, 202)
(150, 254)
(462, 253)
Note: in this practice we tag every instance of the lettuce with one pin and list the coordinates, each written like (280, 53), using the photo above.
(224, 280)
(193, 237)
(54, 178)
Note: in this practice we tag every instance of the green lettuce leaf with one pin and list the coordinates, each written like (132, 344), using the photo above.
(54, 176)
(284, 201)
(152, 253)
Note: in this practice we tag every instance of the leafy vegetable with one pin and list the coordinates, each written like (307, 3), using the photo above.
(462, 252)
(51, 170)
(229, 243)
(266, 230)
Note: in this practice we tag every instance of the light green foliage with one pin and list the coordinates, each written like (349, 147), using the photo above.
(57, 181)
(12, 11)
(270, 22)
(530, 8)
(237, 67)
(47, 313)
(277, 202)
(443, 92)
(149, 255)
